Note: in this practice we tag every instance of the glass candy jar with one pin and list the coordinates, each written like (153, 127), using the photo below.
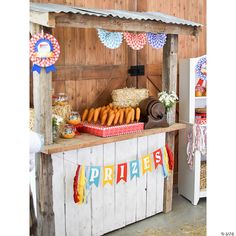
(199, 91)
(61, 99)
(74, 118)
(68, 132)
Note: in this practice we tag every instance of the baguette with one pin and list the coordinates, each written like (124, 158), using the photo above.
(104, 118)
(110, 119)
(85, 114)
(129, 116)
(116, 117)
(121, 118)
(96, 114)
(90, 115)
(137, 114)
(132, 114)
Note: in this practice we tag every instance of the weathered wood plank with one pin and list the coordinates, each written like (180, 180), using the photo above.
(42, 18)
(110, 23)
(85, 222)
(120, 188)
(42, 93)
(72, 210)
(169, 83)
(58, 193)
(87, 140)
(44, 195)
(97, 194)
(141, 196)
(108, 191)
(131, 186)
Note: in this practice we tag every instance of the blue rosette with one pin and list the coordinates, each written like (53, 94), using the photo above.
(200, 68)
(110, 40)
(156, 40)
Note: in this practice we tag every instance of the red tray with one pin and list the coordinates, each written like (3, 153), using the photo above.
(105, 131)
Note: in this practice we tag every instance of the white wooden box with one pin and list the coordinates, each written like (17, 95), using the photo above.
(108, 207)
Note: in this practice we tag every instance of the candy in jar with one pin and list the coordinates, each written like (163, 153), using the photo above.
(74, 118)
(68, 131)
(61, 99)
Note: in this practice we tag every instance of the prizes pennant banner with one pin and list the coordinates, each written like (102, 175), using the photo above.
(94, 175)
(157, 156)
(146, 164)
(108, 175)
(44, 52)
(121, 172)
(134, 169)
(135, 41)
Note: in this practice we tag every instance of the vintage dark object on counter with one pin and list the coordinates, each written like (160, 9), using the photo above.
(153, 113)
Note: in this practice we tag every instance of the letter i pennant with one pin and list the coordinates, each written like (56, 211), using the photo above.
(121, 172)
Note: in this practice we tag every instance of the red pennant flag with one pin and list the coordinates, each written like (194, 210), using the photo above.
(157, 155)
(75, 185)
(170, 157)
(121, 172)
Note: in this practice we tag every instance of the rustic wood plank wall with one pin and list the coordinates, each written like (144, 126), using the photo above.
(86, 65)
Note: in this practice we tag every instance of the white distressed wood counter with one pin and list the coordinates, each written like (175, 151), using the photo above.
(109, 207)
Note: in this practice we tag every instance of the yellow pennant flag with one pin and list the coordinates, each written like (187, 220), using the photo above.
(146, 164)
(81, 186)
(166, 161)
(108, 175)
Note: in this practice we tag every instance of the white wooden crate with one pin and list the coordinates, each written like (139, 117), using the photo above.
(108, 207)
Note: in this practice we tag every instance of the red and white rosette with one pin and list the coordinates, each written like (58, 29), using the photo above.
(44, 51)
(135, 41)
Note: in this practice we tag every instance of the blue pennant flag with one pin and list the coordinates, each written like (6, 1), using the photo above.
(164, 169)
(94, 175)
(134, 168)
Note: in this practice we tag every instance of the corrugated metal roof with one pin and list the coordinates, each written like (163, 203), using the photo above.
(155, 16)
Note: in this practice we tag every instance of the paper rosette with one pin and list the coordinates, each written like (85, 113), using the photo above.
(201, 67)
(111, 40)
(201, 70)
(135, 41)
(156, 40)
(44, 61)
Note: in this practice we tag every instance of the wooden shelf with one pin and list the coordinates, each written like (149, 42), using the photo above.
(88, 140)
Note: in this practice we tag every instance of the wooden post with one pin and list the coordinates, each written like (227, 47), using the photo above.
(169, 83)
(132, 81)
(42, 94)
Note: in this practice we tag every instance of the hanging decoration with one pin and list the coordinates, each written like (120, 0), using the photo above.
(110, 40)
(201, 70)
(156, 40)
(135, 41)
(44, 52)
(85, 176)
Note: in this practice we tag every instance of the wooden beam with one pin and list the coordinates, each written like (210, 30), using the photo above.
(44, 195)
(132, 81)
(111, 23)
(169, 83)
(42, 18)
(42, 93)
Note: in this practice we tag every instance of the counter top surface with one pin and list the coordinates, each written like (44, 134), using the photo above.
(88, 140)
